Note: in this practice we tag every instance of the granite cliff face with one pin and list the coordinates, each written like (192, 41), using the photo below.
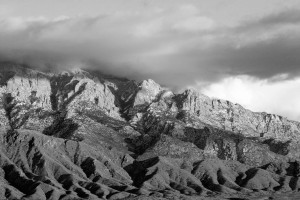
(233, 117)
(81, 134)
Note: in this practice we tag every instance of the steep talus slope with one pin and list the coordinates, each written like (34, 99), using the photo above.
(81, 134)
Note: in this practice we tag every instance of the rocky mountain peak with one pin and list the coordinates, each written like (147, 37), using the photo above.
(149, 83)
(148, 90)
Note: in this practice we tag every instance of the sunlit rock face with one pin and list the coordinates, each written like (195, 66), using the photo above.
(233, 117)
(28, 86)
(96, 92)
(81, 134)
(35, 88)
(148, 90)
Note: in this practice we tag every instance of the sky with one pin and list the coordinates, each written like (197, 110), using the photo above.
(243, 51)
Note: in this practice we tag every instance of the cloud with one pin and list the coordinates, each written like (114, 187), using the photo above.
(176, 46)
(168, 22)
(116, 42)
(59, 41)
(248, 49)
(196, 23)
(281, 98)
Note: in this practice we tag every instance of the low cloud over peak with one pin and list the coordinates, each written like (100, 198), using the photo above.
(177, 45)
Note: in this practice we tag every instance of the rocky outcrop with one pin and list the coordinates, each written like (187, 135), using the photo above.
(148, 90)
(26, 85)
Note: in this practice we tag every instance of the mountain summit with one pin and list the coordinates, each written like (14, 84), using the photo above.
(85, 135)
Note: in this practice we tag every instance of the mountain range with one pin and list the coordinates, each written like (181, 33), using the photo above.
(82, 134)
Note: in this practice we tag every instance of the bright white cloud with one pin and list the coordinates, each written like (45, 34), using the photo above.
(280, 97)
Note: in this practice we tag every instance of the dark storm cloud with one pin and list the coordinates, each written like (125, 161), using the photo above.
(284, 18)
(173, 52)
(264, 48)
(60, 43)
(264, 59)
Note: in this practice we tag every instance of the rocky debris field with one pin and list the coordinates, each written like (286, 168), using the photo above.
(86, 135)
